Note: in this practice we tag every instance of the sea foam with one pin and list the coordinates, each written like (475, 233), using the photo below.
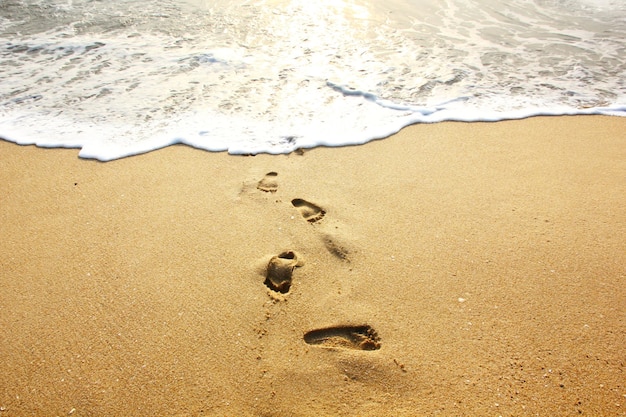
(122, 79)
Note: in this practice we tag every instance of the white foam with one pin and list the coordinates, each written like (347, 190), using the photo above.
(117, 80)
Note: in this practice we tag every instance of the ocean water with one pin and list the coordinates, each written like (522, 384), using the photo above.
(119, 78)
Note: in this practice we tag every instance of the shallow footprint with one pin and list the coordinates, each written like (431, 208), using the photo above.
(268, 183)
(311, 212)
(347, 337)
(336, 249)
(280, 270)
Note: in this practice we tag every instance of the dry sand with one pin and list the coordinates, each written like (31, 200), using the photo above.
(487, 259)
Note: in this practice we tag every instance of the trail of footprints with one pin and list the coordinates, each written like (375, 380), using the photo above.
(279, 276)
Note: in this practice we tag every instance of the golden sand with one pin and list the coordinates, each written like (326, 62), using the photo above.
(452, 269)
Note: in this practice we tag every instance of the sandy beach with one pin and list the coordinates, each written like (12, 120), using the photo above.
(453, 269)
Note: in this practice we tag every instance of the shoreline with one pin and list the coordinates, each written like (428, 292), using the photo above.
(453, 268)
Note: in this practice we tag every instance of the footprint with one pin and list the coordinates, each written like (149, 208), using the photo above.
(268, 183)
(347, 337)
(311, 212)
(336, 249)
(279, 271)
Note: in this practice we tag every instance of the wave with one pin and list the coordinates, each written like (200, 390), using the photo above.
(121, 79)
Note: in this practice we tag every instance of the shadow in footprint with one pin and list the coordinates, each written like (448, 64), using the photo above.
(311, 212)
(280, 270)
(347, 337)
(268, 183)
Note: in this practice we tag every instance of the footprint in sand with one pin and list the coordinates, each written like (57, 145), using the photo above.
(335, 248)
(346, 337)
(311, 212)
(280, 270)
(268, 183)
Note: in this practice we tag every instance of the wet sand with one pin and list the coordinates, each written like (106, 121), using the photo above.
(452, 269)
